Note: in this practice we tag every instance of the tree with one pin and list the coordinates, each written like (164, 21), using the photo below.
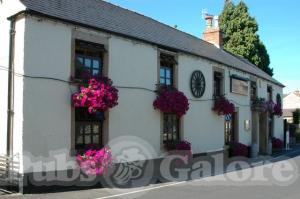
(240, 35)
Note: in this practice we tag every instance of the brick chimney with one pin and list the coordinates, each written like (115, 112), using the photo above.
(212, 33)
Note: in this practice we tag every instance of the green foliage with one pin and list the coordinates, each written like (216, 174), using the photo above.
(296, 116)
(240, 35)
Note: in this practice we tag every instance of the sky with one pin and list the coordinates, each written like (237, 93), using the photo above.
(278, 20)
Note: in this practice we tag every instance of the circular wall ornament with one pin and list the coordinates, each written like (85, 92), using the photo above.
(197, 84)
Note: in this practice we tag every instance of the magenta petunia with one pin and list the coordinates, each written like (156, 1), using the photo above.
(98, 95)
(223, 106)
(277, 110)
(171, 101)
(277, 143)
(95, 161)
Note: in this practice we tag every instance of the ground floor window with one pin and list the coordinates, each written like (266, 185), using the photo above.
(170, 128)
(88, 128)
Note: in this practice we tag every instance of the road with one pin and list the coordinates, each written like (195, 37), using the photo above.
(280, 179)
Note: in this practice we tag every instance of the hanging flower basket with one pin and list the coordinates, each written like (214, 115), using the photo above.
(98, 95)
(273, 108)
(95, 161)
(270, 106)
(277, 110)
(170, 100)
(223, 106)
(259, 105)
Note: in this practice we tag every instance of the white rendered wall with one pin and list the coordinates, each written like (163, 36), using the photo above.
(7, 8)
(242, 104)
(47, 104)
(202, 127)
(132, 64)
(292, 101)
(18, 90)
(278, 121)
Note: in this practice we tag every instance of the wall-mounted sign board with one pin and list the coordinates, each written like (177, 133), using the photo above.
(239, 85)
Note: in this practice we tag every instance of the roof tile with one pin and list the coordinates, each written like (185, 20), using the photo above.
(106, 16)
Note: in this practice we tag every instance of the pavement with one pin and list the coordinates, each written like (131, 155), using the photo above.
(262, 180)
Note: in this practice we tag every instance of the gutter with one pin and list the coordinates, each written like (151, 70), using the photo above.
(10, 100)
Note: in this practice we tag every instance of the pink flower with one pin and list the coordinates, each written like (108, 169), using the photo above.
(223, 106)
(171, 101)
(95, 161)
(99, 95)
(277, 110)
(277, 143)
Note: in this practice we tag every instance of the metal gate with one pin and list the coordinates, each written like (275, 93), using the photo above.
(9, 171)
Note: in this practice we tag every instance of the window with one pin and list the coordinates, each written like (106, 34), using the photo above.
(270, 93)
(218, 78)
(167, 63)
(278, 100)
(170, 128)
(88, 128)
(88, 59)
(166, 75)
(253, 91)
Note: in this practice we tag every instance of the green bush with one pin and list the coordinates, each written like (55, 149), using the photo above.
(296, 116)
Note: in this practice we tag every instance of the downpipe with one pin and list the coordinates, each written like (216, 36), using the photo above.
(10, 100)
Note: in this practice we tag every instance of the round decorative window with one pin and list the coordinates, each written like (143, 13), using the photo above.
(197, 84)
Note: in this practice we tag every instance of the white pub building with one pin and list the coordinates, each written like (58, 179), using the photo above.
(45, 42)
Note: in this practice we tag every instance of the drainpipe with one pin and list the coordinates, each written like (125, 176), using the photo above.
(10, 100)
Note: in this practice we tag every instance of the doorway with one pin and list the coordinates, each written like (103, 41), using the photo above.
(231, 135)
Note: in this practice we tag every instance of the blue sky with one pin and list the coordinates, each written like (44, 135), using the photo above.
(279, 27)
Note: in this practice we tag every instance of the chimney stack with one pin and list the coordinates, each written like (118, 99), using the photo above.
(212, 33)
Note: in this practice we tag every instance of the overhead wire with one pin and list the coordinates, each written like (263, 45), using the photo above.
(120, 87)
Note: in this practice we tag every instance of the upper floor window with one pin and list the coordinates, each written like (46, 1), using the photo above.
(167, 63)
(270, 93)
(253, 90)
(88, 59)
(218, 83)
(278, 100)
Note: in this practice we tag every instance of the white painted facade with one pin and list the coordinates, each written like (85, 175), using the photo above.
(291, 101)
(43, 111)
(7, 8)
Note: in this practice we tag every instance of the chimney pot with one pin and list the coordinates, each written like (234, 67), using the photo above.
(212, 33)
(209, 20)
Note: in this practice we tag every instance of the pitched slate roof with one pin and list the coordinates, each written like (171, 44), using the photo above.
(108, 17)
